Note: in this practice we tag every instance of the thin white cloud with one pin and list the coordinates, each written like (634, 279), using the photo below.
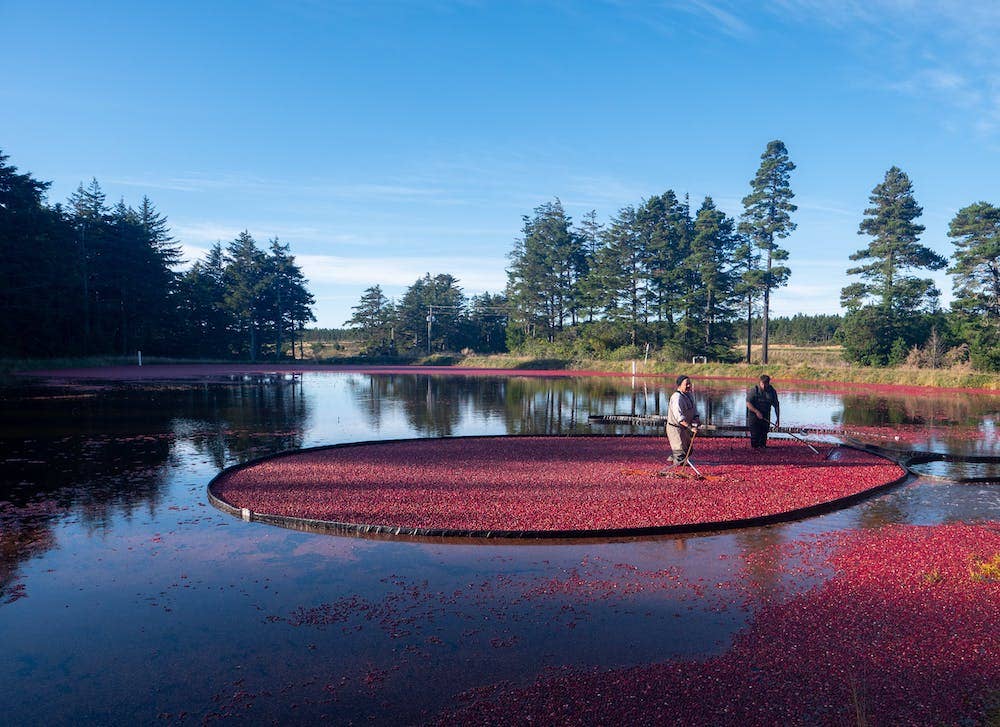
(415, 189)
(939, 51)
(474, 274)
(837, 14)
(600, 192)
(197, 182)
(204, 232)
(825, 207)
(371, 191)
(190, 254)
(225, 231)
(660, 18)
(726, 21)
(956, 89)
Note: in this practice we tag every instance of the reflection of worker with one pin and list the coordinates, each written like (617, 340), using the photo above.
(760, 399)
(682, 419)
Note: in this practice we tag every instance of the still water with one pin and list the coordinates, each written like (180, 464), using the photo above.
(125, 598)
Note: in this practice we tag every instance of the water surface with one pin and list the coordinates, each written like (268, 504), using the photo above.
(125, 597)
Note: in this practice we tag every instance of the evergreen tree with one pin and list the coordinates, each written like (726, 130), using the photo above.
(748, 283)
(487, 317)
(713, 290)
(547, 263)
(975, 232)
(374, 317)
(767, 218)
(125, 278)
(206, 323)
(125, 292)
(91, 219)
(40, 311)
(621, 266)
(158, 233)
(86, 278)
(890, 298)
(803, 329)
(134, 292)
(591, 234)
(245, 282)
(288, 298)
(664, 230)
(162, 258)
(440, 299)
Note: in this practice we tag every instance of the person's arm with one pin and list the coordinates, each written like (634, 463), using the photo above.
(777, 410)
(754, 409)
(695, 419)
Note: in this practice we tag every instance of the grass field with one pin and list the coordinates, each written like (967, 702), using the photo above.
(784, 354)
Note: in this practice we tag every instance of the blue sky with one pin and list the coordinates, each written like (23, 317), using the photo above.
(383, 140)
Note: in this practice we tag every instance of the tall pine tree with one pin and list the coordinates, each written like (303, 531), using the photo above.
(206, 324)
(245, 284)
(91, 219)
(665, 230)
(439, 298)
(713, 292)
(374, 318)
(884, 309)
(547, 264)
(40, 289)
(290, 302)
(975, 232)
(623, 273)
(766, 219)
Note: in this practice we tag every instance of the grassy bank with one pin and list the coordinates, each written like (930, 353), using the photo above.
(9, 367)
(788, 363)
(780, 368)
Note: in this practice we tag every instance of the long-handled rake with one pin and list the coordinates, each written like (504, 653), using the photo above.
(687, 459)
(687, 455)
(795, 436)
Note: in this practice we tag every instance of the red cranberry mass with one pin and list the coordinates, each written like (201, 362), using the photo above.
(549, 484)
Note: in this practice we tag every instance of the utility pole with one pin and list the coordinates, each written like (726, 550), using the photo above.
(430, 319)
(430, 316)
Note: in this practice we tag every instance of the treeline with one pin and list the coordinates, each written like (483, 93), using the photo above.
(661, 276)
(433, 315)
(893, 314)
(657, 274)
(89, 278)
(799, 330)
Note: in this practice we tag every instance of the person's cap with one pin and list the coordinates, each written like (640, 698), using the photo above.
(765, 378)
(681, 379)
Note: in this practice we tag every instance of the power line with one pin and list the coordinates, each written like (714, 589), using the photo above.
(430, 315)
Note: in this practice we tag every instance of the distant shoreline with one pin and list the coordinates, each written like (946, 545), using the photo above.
(915, 379)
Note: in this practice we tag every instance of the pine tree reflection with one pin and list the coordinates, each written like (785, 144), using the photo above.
(237, 422)
(436, 405)
(948, 422)
(105, 453)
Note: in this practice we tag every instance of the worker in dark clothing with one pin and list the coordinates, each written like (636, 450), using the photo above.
(761, 398)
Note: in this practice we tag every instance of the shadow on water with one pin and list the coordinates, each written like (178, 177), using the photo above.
(108, 452)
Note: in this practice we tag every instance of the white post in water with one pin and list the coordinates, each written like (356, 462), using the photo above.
(140, 358)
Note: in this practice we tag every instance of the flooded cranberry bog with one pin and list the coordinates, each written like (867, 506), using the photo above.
(127, 597)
